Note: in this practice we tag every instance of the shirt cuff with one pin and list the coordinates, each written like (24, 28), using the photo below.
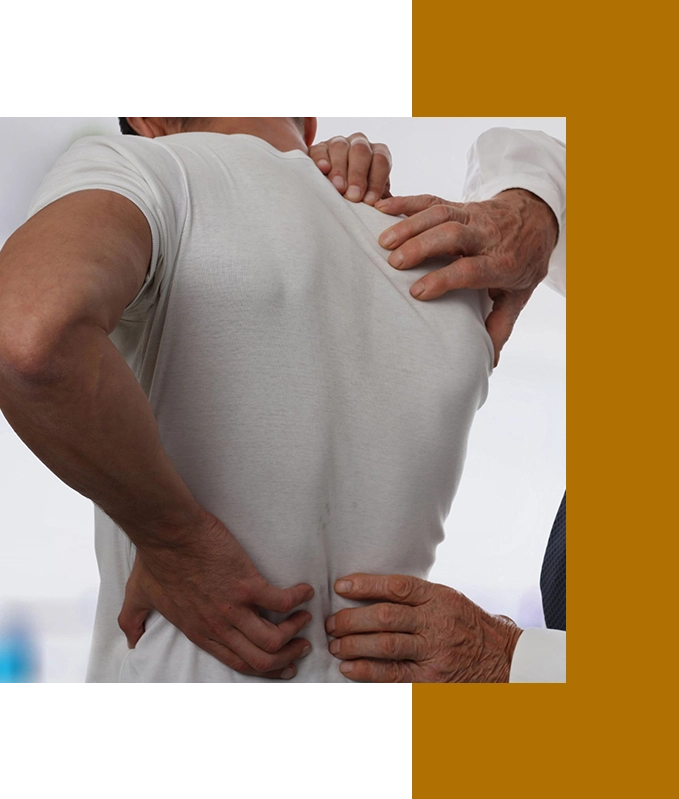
(540, 656)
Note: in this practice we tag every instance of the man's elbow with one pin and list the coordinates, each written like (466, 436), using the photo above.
(27, 352)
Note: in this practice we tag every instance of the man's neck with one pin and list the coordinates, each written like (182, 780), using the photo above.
(280, 132)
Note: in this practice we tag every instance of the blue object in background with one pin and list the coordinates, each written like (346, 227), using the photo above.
(18, 659)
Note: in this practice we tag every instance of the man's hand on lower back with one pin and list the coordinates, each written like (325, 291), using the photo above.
(210, 590)
(418, 631)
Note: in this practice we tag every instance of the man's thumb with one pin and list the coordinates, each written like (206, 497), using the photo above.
(500, 321)
(131, 619)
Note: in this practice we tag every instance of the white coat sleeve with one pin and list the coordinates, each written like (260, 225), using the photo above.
(505, 158)
(540, 656)
(501, 159)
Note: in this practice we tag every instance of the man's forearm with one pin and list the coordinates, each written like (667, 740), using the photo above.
(80, 409)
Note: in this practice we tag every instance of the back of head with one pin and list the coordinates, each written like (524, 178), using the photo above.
(185, 124)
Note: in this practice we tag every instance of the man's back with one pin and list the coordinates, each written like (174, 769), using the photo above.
(299, 389)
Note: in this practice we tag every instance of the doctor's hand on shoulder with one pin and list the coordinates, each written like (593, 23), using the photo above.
(358, 168)
(503, 244)
(417, 631)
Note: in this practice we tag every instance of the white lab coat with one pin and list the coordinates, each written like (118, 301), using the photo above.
(500, 159)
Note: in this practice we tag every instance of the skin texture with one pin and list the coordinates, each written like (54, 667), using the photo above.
(417, 631)
(502, 245)
(357, 168)
(217, 607)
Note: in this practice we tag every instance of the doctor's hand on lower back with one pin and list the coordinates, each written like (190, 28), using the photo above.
(503, 245)
(357, 168)
(417, 631)
(211, 591)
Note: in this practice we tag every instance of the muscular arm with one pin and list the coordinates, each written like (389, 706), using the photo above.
(65, 278)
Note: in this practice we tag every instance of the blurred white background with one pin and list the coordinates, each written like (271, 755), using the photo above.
(515, 472)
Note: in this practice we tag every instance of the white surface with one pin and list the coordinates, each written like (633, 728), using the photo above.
(515, 473)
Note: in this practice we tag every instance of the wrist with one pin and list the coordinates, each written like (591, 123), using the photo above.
(501, 636)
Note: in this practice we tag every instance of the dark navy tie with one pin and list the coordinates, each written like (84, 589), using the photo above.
(553, 577)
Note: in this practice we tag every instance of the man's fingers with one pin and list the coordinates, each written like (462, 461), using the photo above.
(465, 273)
(398, 588)
(432, 216)
(338, 152)
(263, 633)
(320, 156)
(378, 179)
(289, 628)
(447, 238)
(261, 661)
(358, 166)
(409, 205)
(387, 646)
(380, 617)
(269, 636)
(379, 671)
(229, 658)
(131, 620)
(281, 600)
(500, 322)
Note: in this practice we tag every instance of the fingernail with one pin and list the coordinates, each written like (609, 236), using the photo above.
(347, 667)
(330, 625)
(288, 673)
(338, 182)
(370, 198)
(343, 586)
(381, 203)
(323, 164)
(396, 260)
(334, 646)
(417, 289)
(387, 238)
(353, 193)
(310, 594)
(305, 651)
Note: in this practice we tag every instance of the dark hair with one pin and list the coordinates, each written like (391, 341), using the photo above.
(185, 123)
(128, 130)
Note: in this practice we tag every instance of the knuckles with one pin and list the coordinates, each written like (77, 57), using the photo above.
(343, 622)
(240, 665)
(338, 142)
(384, 615)
(400, 586)
(274, 643)
(287, 603)
(388, 645)
(263, 663)
(440, 214)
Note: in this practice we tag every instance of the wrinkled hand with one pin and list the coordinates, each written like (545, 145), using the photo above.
(502, 245)
(418, 632)
(357, 168)
(210, 590)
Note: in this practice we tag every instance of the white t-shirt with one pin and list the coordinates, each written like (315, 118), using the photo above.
(304, 396)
